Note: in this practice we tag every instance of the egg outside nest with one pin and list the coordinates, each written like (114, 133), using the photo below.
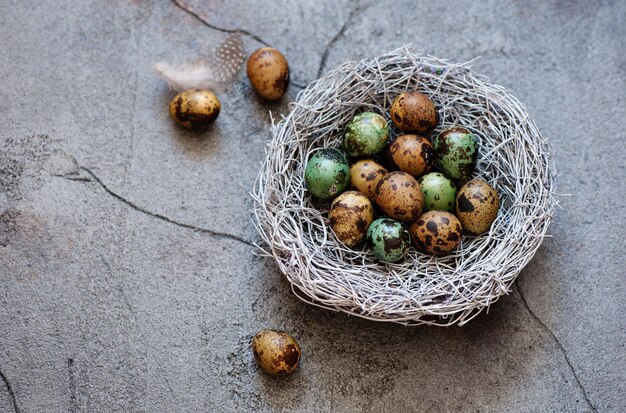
(268, 72)
(195, 109)
(276, 352)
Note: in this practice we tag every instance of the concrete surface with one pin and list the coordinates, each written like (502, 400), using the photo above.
(119, 292)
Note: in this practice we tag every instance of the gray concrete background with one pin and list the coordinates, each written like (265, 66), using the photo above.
(118, 295)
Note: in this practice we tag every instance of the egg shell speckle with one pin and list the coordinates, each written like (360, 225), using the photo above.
(399, 196)
(366, 134)
(350, 215)
(413, 154)
(195, 109)
(439, 192)
(268, 72)
(457, 152)
(414, 112)
(477, 206)
(276, 352)
(365, 175)
(327, 173)
(389, 240)
(436, 232)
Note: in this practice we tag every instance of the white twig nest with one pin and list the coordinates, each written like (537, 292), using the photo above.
(421, 289)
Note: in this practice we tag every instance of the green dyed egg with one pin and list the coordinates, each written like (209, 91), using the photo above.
(439, 192)
(366, 134)
(327, 174)
(457, 150)
(389, 240)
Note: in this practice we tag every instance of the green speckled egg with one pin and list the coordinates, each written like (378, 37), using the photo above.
(456, 152)
(389, 240)
(439, 192)
(366, 134)
(327, 174)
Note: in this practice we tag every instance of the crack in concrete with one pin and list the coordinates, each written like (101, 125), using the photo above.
(72, 385)
(10, 391)
(355, 10)
(186, 8)
(217, 234)
(559, 345)
(298, 85)
(183, 6)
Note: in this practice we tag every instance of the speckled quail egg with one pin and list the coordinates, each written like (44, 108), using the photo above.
(327, 173)
(414, 112)
(399, 196)
(366, 134)
(364, 176)
(439, 192)
(268, 72)
(276, 352)
(477, 206)
(389, 240)
(412, 154)
(436, 232)
(456, 152)
(350, 215)
(195, 108)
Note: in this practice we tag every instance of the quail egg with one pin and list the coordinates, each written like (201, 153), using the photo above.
(364, 176)
(414, 112)
(351, 214)
(436, 232)
(276, 352)
(389, 240)
(399, 196)
(366, 134)
(477, 206)
(327, 173)
(456, 152)
(439, 192)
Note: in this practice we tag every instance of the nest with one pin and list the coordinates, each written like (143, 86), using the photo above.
(421, 289)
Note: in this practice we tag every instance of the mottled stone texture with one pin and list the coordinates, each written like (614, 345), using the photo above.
(127, 279)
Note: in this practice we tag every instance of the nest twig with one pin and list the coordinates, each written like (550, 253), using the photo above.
(421, 289)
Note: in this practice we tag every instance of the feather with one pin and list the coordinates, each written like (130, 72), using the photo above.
(187, 76)
(229, 56)
(212, 73)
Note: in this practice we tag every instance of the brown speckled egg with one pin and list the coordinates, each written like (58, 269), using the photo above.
(195, 108)
(400, 197)
(477, 206)
(351, 214)
(364, 176)
(268, 72)
(414, 112)
(436, 232)
(412, 154)
(276, 352)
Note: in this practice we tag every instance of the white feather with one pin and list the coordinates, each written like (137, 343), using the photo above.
(187, 76)
(215, 71)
